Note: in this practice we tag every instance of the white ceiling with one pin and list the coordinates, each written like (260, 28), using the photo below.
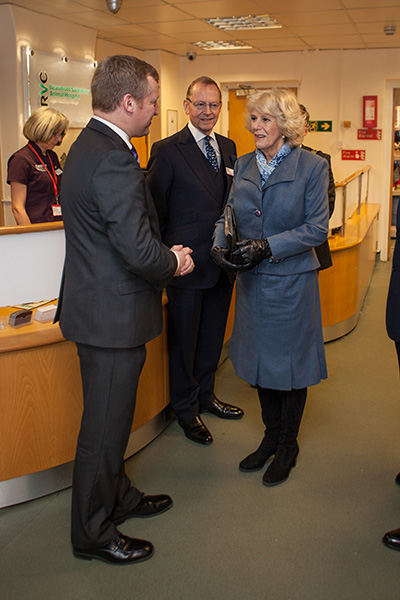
(175, 25)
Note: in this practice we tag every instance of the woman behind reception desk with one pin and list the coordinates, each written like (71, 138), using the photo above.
(34, 172)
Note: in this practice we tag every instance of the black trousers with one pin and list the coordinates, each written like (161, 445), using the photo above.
(196, 329)
(101, 490)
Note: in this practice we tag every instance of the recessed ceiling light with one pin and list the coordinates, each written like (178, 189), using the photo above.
(222, 45)
(248, 22)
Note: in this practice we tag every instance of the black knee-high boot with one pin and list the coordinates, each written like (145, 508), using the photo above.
(271, 403)
(286, 455)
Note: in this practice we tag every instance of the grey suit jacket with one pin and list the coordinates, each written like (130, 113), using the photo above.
(291, 210)
(116, 264)
(188, 199)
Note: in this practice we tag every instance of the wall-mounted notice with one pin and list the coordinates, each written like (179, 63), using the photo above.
(353, 154)
(57, 81)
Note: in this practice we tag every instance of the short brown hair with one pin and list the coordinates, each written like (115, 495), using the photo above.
(205, 81)
(43, 124)
(118, 75)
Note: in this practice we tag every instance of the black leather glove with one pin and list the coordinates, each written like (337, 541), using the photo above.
(250, 252)
(221, 256)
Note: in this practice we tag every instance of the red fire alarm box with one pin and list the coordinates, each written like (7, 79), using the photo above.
(370, 111)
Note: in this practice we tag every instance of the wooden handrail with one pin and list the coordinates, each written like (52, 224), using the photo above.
(353, 176)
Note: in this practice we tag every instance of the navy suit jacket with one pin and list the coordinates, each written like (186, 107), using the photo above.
(393, 299)
(115, 265)
(188, 201)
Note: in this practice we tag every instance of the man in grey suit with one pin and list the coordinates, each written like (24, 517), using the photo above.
(190, 175)
(110, 301)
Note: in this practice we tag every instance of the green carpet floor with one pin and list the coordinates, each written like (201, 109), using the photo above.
(315, 537)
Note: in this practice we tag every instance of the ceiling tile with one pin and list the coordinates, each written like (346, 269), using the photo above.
(222, 8)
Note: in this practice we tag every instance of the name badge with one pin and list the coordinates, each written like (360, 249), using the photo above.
(56, 208)
(229, 171)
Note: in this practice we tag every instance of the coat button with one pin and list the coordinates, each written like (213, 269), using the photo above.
(258, 213)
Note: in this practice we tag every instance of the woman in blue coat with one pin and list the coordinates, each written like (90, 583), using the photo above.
(279, 197)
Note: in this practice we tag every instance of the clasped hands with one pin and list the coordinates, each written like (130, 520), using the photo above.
(185, 261)
(247, 255)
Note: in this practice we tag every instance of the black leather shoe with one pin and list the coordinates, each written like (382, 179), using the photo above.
(391, 539)
(147, 507)
(256, 460)
(123, 551)
(196, 431)
(397, 480)
(223, 410)
(278, 471)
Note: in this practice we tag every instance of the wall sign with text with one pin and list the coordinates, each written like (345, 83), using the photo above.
(369, 134)
(59, 82)
(353, 154)
(370, 111)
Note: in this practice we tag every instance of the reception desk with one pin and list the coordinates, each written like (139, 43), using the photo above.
(343, 286)
(41, 407)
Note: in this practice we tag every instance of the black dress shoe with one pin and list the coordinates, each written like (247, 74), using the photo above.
(397, 480)
(122, 551)
(391, 539)
(256, 460)
(223, 410)
(196, 431)
(147, 507)
(278, 471)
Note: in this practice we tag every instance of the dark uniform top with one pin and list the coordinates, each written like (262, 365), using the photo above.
(25, 167)
(323, 252)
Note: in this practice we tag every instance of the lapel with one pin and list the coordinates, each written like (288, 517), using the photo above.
(189, 150)
(286, 171)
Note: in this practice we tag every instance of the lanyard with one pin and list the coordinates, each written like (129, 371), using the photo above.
(52, 177)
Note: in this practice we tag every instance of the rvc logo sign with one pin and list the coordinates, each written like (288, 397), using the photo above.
(44, 96)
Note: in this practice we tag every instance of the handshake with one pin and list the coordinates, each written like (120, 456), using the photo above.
(248, 254)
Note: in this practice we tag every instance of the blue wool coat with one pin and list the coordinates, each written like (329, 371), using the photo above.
(277, 339)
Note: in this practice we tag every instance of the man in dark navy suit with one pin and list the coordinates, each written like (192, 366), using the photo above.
(392, 538)
(190, 175)
(110, 301)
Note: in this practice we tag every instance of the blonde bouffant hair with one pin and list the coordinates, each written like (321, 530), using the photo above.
(43, 124)
(282, 104)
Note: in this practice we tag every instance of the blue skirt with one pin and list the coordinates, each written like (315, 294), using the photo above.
(277, 339)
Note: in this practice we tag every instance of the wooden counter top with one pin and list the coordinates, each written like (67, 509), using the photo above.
(357, 228)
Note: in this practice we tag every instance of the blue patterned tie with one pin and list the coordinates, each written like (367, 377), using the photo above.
(211, 155)
(135, 154)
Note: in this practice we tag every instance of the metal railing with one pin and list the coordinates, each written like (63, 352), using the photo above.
(354, 190)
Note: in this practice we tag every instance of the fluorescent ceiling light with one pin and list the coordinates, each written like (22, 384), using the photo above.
(222, 45)
(249, 22)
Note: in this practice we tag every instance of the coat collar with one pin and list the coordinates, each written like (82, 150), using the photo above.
(103, 128)
(286, 171)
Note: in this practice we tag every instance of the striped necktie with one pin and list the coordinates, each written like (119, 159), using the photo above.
(211, 154)
(135, 154)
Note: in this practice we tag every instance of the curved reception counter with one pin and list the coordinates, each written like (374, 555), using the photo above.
(41, 408)
(343, 286)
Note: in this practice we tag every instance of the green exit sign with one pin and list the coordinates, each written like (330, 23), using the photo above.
(320, 126)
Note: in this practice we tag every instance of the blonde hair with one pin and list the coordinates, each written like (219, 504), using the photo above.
(281, 104)
(43, 124)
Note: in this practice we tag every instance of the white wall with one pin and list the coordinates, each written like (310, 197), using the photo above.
(20, 27)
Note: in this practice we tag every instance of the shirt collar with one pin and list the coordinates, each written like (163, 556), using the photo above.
(199, 135)
(117, 130)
